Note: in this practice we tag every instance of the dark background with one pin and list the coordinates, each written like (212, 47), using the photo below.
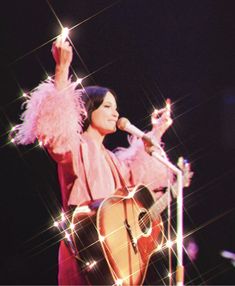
(149, 51)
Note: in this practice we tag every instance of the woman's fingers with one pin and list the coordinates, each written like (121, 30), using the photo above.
(62, 52)
(164, 121)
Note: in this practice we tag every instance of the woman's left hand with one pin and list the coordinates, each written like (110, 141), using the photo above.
(161, 121)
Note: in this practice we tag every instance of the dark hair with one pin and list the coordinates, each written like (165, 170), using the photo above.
(93, 97)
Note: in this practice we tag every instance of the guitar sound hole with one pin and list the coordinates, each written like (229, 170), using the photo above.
(144, 222)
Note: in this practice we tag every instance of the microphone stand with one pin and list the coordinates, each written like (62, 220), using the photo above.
(179, 231)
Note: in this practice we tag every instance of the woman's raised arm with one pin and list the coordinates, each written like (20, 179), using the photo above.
(54, 111)
(63, 54)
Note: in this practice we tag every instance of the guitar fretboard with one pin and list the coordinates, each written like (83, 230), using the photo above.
(159, 206)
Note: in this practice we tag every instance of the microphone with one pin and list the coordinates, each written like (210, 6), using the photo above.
(125, 125)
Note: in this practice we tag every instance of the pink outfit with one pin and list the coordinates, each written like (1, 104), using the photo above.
(93, 171)
(84, 170)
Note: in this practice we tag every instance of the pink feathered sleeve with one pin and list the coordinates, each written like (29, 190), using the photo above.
(53, 117)
(143, 168)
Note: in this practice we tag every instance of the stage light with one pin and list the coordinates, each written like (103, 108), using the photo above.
(62, 216)
(79, 80)
(67, 236)
(72, 226)
(169, 243)
(64, 34)
(228, 254)
(130, 194)
(119, 282)
(101, 238)
(159, 247)
(92, 264)
(55, 224)
(192, 250)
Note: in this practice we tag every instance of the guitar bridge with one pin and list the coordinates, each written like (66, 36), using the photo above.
(128, 228)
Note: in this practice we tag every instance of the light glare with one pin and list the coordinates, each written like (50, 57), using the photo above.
(79, 80)
(64, 34)
(56, 224)
(119, 282)
(169, 243)
(67, 236)
(62, 216)
(159, 247)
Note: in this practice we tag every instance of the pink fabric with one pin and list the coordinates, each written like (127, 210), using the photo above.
(93, 167)
(53, 117)
(92, 172)
(144, 169)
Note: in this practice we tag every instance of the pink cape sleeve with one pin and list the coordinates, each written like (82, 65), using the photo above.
(143, 168)
(53, 117)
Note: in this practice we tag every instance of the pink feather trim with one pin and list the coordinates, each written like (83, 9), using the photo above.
(128, 154)
(53, 117)
(144, 168)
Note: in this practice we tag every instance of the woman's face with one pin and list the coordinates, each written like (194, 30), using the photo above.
(105, 117)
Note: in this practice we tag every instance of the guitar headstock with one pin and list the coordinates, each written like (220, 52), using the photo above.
(185, 167)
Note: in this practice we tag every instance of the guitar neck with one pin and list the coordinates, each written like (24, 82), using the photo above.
(159, 206)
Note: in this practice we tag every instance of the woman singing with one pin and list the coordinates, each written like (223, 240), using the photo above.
(72, 124)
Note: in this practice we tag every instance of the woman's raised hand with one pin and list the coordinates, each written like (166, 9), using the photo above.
(62, 52)
(161, 120)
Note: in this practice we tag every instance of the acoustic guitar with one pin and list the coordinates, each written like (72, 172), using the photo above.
(116, 237)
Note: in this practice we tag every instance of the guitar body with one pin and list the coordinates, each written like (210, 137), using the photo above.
(118, 238)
